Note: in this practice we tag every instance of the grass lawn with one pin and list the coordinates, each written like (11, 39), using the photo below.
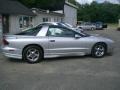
(113, 25)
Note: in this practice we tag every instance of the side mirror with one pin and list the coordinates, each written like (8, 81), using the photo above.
(77, 36)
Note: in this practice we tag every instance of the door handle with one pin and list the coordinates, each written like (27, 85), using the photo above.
(52, 40)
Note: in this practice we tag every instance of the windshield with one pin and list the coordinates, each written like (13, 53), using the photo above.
(81, 33)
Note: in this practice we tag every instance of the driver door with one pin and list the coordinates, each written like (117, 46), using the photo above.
(63, 41)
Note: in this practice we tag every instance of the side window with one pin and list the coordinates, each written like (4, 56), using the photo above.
(60, 32)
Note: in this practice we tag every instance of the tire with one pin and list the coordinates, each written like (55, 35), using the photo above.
(99, 50)
(32, 54)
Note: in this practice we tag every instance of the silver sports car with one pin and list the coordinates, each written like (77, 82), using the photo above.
(50, 40)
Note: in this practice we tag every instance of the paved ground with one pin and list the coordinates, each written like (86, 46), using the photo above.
(73, 73)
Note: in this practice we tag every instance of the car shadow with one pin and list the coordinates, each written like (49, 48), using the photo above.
(59, 58)
(51, 59)
(16, 60)
(66, 58)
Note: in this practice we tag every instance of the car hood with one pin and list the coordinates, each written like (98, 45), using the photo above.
(99, 38)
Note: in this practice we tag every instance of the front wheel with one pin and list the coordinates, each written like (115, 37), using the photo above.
(99, 50)
(32, 54)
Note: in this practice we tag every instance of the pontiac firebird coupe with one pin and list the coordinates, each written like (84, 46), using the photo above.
(55, 40)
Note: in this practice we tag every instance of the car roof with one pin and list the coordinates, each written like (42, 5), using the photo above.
(58, 24)
(48, 23)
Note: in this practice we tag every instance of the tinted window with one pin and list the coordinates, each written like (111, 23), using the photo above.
(60, 32)
(31, 32)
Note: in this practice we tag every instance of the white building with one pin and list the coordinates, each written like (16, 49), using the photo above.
(70, 12)
(17, 19)
(11, 12)
(46, 16)
(67, 15)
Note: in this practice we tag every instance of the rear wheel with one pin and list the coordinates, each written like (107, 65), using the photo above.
(32, 54)
(99, 50)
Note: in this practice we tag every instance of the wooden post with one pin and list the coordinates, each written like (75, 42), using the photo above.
(0, 23)
(119, 23)
(1, 30)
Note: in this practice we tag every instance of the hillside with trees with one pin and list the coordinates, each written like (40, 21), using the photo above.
(106, 12)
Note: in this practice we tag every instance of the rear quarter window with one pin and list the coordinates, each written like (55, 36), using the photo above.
(31, 32)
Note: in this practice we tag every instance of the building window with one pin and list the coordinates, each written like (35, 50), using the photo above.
(54, 19)
(57, 19)
(45, 19)
(25, 22)
(61, 19)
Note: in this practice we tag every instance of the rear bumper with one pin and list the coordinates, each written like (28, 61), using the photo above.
(9, 55)
(12, 52)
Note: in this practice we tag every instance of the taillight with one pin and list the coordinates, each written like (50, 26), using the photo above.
(5, 42)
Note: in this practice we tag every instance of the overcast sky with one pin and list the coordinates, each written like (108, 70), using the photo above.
(89, 1)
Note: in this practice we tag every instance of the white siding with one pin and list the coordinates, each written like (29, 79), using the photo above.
(14, 24)
(14, 21)
(70, 15)
(51, 18)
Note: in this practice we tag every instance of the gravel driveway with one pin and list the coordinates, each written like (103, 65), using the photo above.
(70, 73)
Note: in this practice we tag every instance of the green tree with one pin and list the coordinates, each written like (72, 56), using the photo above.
(73, 2)
(28, 3)
(105, 12)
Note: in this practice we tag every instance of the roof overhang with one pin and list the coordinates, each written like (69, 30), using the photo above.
(52, 6)
(14, 7)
